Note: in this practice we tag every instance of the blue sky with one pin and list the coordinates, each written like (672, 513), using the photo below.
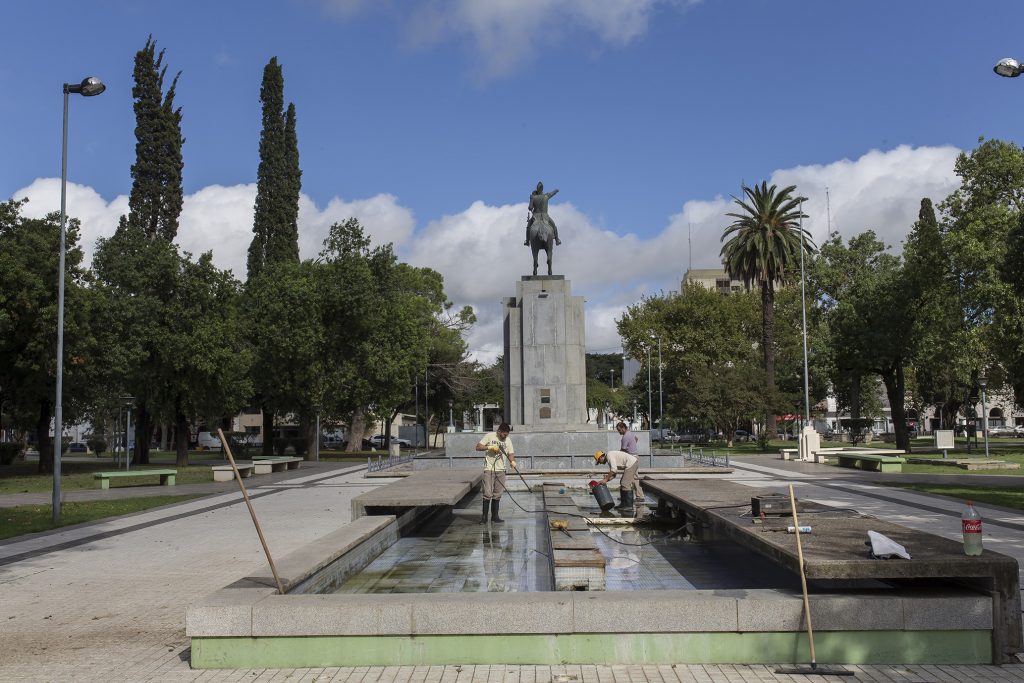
(432, 121)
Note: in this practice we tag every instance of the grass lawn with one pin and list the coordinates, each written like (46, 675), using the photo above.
(751, 447)
(21, 477)
(1006, 497)
(1006, 452)
(1018, 457)
(26, 519)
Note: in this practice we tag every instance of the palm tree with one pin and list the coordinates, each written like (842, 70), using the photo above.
(764, 249)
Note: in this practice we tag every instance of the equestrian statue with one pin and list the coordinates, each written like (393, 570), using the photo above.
(541, 231)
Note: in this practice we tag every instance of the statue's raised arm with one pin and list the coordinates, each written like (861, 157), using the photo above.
(541, 231)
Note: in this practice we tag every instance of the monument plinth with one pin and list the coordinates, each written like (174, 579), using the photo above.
(545, 357)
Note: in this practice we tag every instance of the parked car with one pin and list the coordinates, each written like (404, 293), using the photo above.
(332, 442)
(743, 435)
(378, 441)
(77, 447)
(693, 437)
(364, 446)
(1018, 430)
(663, 436)
(208, 442)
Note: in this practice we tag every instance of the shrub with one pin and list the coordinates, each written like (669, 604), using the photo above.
(8, 452)
(238, 445)
(762, 440)
(299, 444)
(281, 445)
(97, 446)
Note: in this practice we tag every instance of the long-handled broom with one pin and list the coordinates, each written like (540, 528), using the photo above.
(252, 513)
(814, 668)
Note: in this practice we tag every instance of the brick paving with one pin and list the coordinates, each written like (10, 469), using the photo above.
(106, 601)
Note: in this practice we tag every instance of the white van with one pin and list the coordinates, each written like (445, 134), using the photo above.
(207, 442)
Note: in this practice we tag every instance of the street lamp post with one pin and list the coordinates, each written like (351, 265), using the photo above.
(982, 383)
(316, 441)
(650, 411)
(661, 397)
(127, 402)
(451, 417)
(803, 313)
(89, 87)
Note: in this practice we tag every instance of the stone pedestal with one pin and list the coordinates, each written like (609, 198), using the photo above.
(810, 442)
(545, 360)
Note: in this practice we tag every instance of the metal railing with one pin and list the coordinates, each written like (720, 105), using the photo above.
(702, 458)
(382, 463)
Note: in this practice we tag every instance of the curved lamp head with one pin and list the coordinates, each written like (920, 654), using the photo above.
(89, 87)
(1008, 67)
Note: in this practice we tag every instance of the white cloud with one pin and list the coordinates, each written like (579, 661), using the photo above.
(219, 219)
(507, 34)
(479, 250)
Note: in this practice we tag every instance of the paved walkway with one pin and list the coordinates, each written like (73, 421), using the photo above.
(106, 601)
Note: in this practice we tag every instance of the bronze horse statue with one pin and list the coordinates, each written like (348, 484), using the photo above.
(541, 231)
(542, 236)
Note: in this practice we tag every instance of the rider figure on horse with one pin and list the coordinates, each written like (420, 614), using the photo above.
(539, 208)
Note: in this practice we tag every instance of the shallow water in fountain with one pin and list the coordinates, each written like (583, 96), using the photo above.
(454, 553)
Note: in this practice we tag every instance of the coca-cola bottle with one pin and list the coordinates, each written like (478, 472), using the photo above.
(971, 521)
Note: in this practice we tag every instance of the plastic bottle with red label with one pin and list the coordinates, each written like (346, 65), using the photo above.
(971, 521)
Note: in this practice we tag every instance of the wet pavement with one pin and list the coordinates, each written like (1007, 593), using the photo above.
(454, 553)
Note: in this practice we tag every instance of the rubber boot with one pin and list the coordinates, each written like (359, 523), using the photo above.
(494, 512)
(627, 501)
(623, 501)
(487, 505)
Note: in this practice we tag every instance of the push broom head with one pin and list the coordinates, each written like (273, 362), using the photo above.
(814, 670)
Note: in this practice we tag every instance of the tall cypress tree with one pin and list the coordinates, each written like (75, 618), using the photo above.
(156, 197)
(154, 207)
(275, 222)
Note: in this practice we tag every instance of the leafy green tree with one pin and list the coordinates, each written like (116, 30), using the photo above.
(28, 323)
(702, 333)
(789, 359)
(946, 350)
(209, 370)
(871, 301)
(485, 385)
(289, 343)
(980, 228)
(385, 322)
(137, 278)
(763, 249)
(601, 369)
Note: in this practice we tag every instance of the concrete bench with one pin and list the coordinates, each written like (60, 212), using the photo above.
(790, 453)
(225, 473)
(268, 465)
(871, 462)
(103, 478)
